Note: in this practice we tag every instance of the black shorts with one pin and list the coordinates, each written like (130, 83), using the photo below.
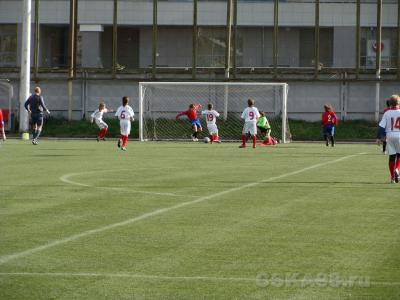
(264, 130)
(37, 119)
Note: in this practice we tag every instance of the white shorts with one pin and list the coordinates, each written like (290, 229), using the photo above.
(393, 143)
(212, 128)
(125, 127)
(101, 124)
(250, 127)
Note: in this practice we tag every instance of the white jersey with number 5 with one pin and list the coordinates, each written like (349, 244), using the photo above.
(391, 122)
(125, 115)
(250, 114)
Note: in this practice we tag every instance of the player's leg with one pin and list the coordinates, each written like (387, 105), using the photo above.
(391, 148)
(392, 167)
(253, 133)
(126, 130)
(244, 135)
(331, 136)
(194, 132)
(3, 133)
(34, 127)
(325, 135)
(39, 127)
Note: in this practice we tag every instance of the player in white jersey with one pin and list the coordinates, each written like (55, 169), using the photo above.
(250, 116)
(211, 117)
(97, 116)
(125, 115)
(391, 124)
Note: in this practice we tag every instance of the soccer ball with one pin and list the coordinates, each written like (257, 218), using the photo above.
(207, 140)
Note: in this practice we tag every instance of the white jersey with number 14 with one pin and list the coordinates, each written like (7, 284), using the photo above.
(391, 121)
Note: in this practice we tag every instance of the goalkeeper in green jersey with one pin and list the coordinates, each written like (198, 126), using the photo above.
(263, 125)
(265, 129)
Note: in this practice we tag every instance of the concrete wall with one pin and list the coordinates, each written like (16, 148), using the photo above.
(305, 99)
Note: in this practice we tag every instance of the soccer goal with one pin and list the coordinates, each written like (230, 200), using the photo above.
(159, 103)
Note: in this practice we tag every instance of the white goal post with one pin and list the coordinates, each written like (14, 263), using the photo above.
(159, 103)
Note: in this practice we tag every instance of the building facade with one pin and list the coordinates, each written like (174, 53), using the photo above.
(330, 46)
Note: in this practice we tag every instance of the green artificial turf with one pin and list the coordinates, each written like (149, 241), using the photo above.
(84, 220)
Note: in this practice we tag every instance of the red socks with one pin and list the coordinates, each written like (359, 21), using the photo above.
(244, 139)
(254, 141)
(392, 167)
(124, 139)
(102, 133)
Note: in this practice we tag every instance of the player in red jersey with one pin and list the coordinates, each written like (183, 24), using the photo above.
(3, 134)
(191, 113)
(328, 122)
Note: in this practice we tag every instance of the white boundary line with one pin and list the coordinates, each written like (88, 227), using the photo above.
(194, 278)
(6, 258)
(66, 179)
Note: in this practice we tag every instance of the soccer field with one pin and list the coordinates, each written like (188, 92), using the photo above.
(84, 220)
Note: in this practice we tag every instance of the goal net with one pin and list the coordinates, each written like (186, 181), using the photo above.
(160, 102)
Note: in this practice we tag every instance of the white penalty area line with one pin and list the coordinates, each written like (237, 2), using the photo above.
(67, 179)
(256, 280)
(6, 258)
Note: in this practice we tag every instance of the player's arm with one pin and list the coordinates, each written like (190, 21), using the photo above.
(44, 105)
(181, 114)
(380, 134)
(216, 114)
(26, 105)
(132, 114)
(92, 116)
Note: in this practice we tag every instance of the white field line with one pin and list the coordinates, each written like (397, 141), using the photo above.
(344, 283)
(6, 258)
(66, 178)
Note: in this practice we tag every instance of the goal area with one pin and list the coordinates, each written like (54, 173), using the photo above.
(160, 102)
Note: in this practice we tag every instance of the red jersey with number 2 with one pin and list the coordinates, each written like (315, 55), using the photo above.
(328, 118)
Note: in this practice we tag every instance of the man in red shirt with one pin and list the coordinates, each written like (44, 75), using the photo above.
(191, 113)
(328, 122)
(3, 134)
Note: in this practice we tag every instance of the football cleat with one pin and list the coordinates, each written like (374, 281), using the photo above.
(392, 181)
(123, 148)
(98, 139)
(35, 142)
(242, 146)
(119, 143)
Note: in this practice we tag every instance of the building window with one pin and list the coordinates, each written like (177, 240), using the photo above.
(211, 47)
(8, 45)
(307, 46)
(388, 48)
(54, 46)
